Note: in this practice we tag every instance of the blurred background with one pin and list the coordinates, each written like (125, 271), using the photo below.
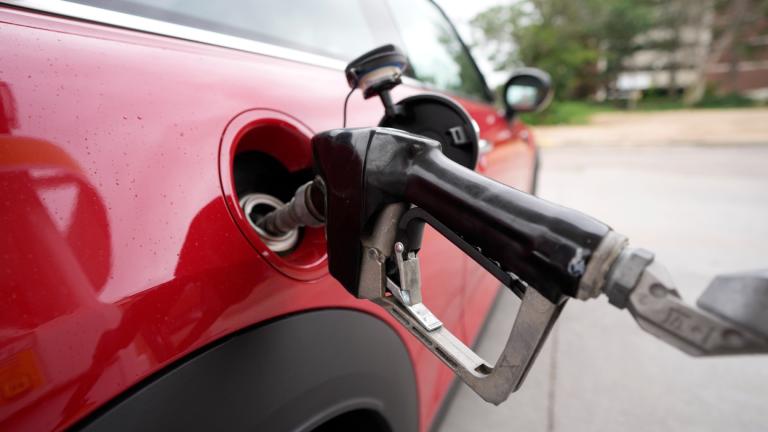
(610, 54)
(659, 127)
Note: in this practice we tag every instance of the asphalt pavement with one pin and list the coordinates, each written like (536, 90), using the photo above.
(704, 211)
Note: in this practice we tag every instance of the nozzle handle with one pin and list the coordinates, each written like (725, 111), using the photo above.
(546, 245)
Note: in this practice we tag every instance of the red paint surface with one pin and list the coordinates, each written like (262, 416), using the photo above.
(119, 251)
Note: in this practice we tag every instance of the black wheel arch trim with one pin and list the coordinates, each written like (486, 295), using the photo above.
(291, 373)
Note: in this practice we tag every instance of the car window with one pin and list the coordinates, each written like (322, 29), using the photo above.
(434, 49)
(341, 29)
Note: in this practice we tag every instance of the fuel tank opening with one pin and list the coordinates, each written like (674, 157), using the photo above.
(256, 206)
(265, 152)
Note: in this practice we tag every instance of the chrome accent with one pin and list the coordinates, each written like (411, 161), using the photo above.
(484, 147)
(423, 316)
(378, 76)
(149, 25)
(409, 291)
(458, 135)
(404, 293)
(162, 28)
(591, 284)
(299, 212)
(278, 243)
(494, 383)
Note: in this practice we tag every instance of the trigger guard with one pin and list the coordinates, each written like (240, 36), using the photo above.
(411, 229)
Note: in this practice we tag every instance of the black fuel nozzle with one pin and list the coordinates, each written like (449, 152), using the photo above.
(556, 251)
(383, 185)
(547, 246)
(361, 171)
(379, 187)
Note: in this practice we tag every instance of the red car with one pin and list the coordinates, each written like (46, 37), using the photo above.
(135, 293)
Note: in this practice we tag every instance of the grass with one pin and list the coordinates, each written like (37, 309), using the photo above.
(579, 112)
(566, 112)
(732, 100)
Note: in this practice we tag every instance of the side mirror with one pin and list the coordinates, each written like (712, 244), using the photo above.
(528, 90)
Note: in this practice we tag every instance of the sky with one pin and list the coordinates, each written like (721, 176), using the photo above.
(460, 12)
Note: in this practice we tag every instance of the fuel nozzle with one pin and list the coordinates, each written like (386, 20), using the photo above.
(384, 185)
(306, 208)
(376, 190)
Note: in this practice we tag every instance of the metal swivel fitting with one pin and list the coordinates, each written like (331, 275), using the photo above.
(306, 208)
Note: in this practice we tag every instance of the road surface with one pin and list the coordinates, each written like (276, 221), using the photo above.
(703, 210)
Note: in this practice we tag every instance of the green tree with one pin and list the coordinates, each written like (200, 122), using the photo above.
(741, 21)
(734, 24)
(581, 43)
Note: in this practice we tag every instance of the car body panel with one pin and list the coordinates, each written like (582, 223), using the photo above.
(121, 254)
